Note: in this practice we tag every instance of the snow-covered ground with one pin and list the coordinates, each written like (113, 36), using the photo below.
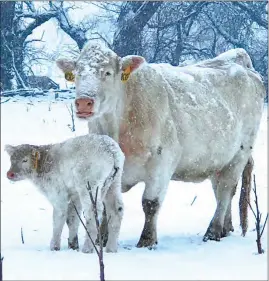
(180, 255)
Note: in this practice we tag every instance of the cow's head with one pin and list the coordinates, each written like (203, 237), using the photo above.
(99, 75)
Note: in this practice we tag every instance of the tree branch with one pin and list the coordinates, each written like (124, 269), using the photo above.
(253, 14)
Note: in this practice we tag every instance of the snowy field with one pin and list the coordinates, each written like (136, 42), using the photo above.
(180, 255)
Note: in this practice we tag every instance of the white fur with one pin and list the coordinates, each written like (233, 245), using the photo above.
(90, 158)
(197, 115)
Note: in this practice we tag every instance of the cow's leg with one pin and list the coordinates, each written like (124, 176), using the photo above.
(59, 218)
(224, 184)
(114, 209)
(245, 195)
(153, 196)
(228, 226)
(73, 223)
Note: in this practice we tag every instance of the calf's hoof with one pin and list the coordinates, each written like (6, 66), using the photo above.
(54, 246)
(73, 244)
(212, 234)
(111, 250)
(87, 249)
(104, 240)
(55, 249)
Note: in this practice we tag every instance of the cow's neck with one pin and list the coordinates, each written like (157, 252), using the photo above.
(133, 121)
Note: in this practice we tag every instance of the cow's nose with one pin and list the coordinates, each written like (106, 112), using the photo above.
(10, 175)
(84, 104)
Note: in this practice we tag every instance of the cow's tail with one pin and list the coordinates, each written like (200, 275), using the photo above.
(245, 195)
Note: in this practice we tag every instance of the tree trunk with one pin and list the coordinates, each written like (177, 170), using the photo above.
(179, 46)
(132, 19)
(7, 12)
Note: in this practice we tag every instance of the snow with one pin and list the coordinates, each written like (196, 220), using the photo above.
(180, 255)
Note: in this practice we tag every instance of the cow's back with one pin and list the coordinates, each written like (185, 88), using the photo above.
(214, 108)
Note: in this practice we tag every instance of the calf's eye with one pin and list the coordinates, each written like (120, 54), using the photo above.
(24, 160)
(108, 73)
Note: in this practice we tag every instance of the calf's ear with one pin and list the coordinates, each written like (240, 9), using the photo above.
(129, 64)
(9, 149)
(66, 65)
(36, 154)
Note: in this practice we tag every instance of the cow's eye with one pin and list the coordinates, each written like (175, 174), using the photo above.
(25, 160)
(108, 73)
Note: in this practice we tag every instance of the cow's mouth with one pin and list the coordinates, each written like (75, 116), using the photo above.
(84, 114)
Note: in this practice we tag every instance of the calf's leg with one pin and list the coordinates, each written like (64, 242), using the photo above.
(88, 211)
(114, 209)
(73, 223)
(104, 225)
(59, 218)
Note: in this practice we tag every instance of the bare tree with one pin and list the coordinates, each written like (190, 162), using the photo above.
(132, 19)
(1, 267)
(18, 21)
(99, 234)
(258, 217)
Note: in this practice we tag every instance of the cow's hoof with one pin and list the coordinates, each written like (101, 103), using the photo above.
(73, 244)
(226, 230)
(212, 234)
(147, 243)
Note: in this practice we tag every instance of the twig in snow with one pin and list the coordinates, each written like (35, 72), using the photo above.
(22, 238)
(193, 200)
(72, 118)
(5, 101)
(99, 233)
(1, 267)
(258, 216)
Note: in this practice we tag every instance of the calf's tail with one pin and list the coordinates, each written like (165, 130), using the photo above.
(245, 195)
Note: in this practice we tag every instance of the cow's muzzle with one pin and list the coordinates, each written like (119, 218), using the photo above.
(84, 107)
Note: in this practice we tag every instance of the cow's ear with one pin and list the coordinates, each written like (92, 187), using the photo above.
(129, 64)
(66, 65)
(9, 149)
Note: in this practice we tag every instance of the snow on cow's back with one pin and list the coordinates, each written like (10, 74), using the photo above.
(233, 63)
(238, 55)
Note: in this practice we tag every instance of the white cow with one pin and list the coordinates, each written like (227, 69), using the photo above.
(62, 171)
(182, 123)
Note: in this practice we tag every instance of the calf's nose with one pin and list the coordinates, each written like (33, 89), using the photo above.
(84, 105)
(10, 175)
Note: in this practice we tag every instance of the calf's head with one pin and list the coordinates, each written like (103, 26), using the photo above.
(99, 75)
(24, 159)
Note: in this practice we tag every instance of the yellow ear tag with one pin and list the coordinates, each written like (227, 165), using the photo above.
(126, 73)
(69, 76)
(36, 160)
